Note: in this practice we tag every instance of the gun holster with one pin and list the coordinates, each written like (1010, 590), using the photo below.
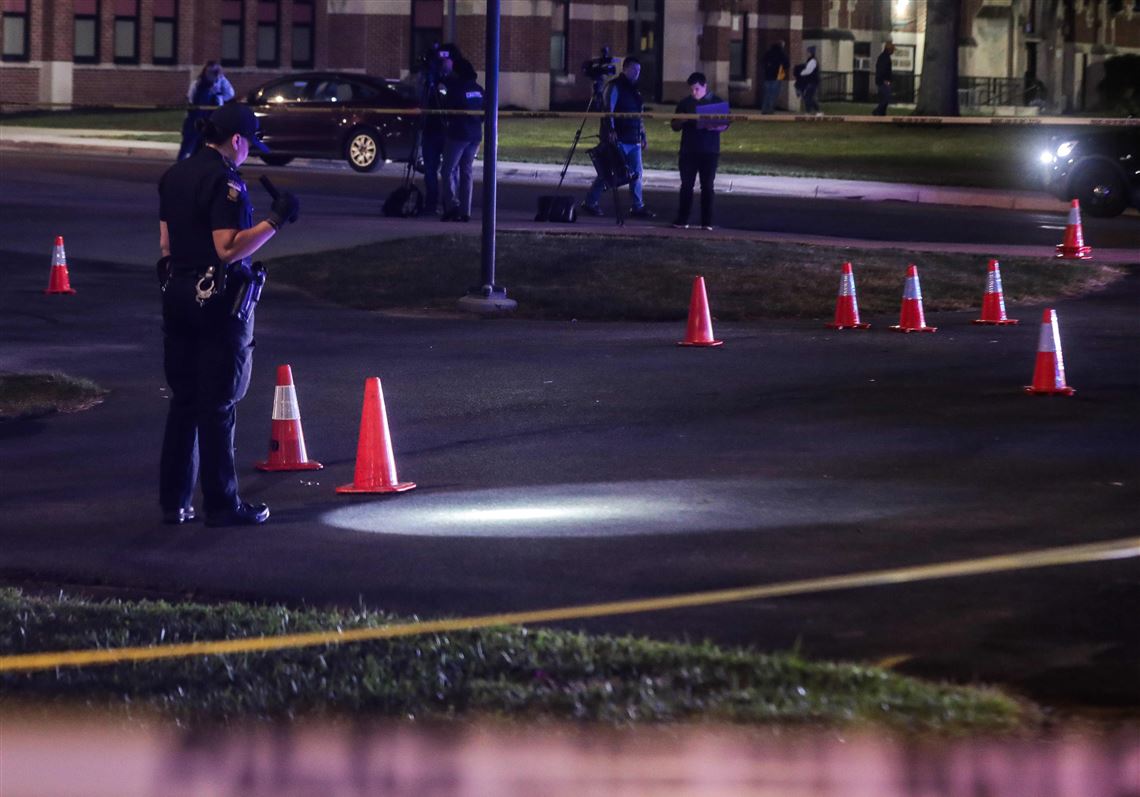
(247, 285)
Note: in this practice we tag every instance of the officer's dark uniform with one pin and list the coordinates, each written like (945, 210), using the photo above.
(208, 352)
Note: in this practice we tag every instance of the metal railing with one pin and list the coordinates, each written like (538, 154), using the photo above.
(973, 92)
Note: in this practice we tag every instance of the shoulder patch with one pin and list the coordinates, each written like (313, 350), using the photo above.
(234, 189)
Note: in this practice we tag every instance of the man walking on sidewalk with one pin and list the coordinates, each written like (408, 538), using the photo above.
(628, 133)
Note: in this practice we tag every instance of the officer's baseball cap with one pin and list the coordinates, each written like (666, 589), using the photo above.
(237, 118)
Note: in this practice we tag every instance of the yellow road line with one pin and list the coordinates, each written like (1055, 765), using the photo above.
(1125, 548)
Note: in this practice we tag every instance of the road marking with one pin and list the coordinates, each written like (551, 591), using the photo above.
(1125, 548)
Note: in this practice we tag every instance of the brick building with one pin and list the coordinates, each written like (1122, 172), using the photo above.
(147, 51)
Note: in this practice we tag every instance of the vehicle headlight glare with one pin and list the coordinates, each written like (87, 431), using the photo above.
(1046, 157)
(1065, 149)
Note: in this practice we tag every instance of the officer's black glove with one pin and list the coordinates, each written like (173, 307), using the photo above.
(286, 208)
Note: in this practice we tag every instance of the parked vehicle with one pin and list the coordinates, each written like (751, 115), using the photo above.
(1101, 169)
(336, 115)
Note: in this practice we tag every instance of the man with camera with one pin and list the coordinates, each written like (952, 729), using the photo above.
(435, 66)
(627, 133)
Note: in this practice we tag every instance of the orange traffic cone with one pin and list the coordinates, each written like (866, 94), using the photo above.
(286, 440)
(1072, 247)
(911, 318)
(993, 303)
(58, 281)
(699, 331)
(846, 305)
(1049, 375)
(375, 463)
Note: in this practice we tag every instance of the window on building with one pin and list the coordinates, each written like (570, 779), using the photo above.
(427, 27)
(559, 37)
(165, 31)
(303, 33)
(86, 49)
(738, 48)
(16, 30)
(126, 31)
(233, 32)
(268, 29)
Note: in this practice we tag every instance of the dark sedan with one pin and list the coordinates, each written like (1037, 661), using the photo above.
(365, 120)
(1101, 169)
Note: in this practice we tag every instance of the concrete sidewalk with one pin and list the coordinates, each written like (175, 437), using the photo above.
(124, 143)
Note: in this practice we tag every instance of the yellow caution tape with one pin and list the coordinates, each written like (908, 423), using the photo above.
(997, 121)
(1025, 560)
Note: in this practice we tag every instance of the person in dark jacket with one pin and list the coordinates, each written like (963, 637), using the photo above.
(622, 96)
(464, 133)
(808, 78)
(700, 151)
(210, 88)
(883, 78)
(207, 236)
(776, 68)
(433, 133)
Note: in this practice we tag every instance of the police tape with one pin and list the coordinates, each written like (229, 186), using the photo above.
(663, 116)
(1124, 548)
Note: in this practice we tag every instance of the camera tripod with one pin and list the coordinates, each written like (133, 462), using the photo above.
(595, 100)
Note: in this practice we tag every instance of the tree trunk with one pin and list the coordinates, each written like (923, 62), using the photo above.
(938, 91)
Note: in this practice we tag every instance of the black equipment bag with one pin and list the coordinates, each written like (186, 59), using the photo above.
(404, 202)
(407, 200)
(561, 209)
(609, 163)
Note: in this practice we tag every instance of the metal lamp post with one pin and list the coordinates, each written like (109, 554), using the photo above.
(489, 298)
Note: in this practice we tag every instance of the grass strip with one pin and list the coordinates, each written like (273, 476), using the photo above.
(980, 156)
(510, 672)
(23, 395)
(599, 277)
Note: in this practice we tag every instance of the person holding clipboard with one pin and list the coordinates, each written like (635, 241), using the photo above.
(700, 148)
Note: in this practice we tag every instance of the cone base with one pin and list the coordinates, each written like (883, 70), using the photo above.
(1083, 253)
(897, 328)
(848, 326)
(398, 487)
(1003, 322)
(67, 291)
(706, 344)
(276, 468)
(1064, 390)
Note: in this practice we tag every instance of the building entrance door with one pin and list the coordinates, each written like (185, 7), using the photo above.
(646, 19)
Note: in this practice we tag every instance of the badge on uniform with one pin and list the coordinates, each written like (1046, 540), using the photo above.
(234, 191)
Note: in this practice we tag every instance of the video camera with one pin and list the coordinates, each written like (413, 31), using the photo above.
(600, 68)
(431, 62)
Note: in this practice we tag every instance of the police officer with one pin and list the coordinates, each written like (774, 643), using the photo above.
(207, 235)
(433, 97)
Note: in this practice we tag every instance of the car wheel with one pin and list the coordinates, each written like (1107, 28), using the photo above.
(276, 160)
(1100, 189)
(363, 150)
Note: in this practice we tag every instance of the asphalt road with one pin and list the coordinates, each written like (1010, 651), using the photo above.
(571, 463)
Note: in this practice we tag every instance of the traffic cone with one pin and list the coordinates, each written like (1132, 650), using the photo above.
(58, 281)
(1073, 246)
(993, 303)
(699, 331)
(375, 463)
(1049, 375)
(286, 440)
(846, 305)
(911, 318)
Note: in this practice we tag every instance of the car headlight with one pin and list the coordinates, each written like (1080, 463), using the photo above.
(1066, 149)
(1047, 157)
